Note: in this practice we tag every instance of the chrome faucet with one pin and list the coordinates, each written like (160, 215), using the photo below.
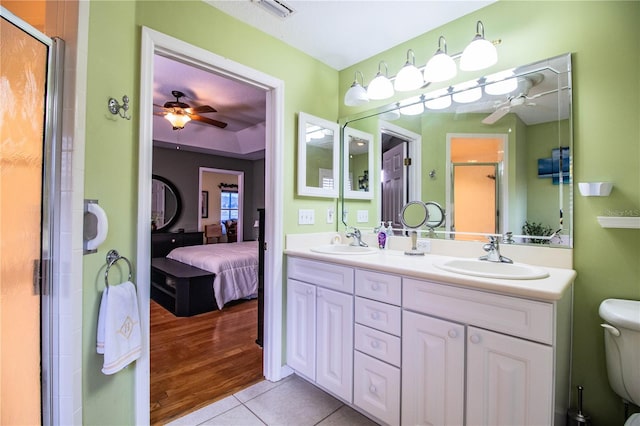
(493, 251)
(357, 237)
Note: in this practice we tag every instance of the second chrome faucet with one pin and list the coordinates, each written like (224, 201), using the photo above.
(493, 251)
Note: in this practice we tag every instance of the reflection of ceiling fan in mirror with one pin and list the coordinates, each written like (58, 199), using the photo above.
(179, 113)
(522, 99)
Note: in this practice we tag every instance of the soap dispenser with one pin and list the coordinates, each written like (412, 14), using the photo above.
(389, 229)
(382, 236)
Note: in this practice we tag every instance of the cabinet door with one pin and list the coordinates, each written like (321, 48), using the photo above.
(377, 388)
(334, 360)
(509, 380)
(301, 328)
(432, 371)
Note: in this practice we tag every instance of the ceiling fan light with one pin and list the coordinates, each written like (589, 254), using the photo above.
(177, 120)
(480, 53)
(501, 87)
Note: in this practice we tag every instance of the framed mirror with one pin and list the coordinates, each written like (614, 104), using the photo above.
(358, 164)
(318, 157)
(525, 116)
(166, 204)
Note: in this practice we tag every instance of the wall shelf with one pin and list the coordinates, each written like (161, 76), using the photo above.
(619, 222)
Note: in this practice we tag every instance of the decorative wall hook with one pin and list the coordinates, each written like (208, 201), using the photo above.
(432, 174)
(116, 109)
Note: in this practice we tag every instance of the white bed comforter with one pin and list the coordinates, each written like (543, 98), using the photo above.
(235, 266)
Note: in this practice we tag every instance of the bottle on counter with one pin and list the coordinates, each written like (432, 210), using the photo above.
(382, 236)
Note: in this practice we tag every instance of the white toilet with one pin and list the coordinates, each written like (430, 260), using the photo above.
(622, 347)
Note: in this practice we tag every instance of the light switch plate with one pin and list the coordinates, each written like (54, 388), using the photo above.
(306, 217)
(362, 216)
(330, 214)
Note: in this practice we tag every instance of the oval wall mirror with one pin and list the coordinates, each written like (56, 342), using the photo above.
(435, 215)
(166, 204)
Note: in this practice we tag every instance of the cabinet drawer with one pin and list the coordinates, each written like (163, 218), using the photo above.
(323, 274)
(382, 287)
(511, 315)
(376, 388)
(378, 315)
(380, 345)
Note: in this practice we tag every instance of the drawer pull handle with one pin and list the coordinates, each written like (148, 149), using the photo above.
(453, 333)
(373, 389)
(375, 315)
(475, 338)
(375, 344)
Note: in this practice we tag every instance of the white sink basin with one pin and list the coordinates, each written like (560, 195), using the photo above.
(485, 269)
(342, 249)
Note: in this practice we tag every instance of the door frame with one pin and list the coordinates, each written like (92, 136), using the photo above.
(240, 176)
(154, 42)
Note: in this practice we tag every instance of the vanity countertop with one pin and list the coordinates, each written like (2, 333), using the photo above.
(422, 267)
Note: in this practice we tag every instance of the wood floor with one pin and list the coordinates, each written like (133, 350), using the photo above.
(198, 360)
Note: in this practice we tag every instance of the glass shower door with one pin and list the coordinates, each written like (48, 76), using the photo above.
(23, 91)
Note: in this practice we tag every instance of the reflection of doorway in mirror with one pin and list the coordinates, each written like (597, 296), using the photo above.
(394, 182)
(474, 199)
(476, 191)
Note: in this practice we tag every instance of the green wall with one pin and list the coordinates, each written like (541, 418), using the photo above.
(111, 146)
(606, 133)
(606, 144)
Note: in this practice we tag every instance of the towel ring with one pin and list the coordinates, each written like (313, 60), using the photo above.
(112, 257)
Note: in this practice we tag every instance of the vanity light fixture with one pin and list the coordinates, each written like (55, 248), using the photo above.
(480, 53)
(409, 77)
(177, 119)
(440, 99)
(441, 66)
(357, 94)
(501, 83)
(413, 106)
(380, 87)
(466, 92)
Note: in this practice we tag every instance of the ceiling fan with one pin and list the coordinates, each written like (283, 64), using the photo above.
(502, 108)
(179, 113)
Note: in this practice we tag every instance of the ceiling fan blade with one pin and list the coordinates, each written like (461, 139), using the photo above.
(202, 109)
(496, 115)
(208, 121)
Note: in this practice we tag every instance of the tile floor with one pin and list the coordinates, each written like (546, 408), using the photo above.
(291, 401)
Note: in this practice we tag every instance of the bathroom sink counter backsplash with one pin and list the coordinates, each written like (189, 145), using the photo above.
(393, 260)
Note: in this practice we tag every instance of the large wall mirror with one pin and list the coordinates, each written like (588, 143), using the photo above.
(166, 204)
(318, 157)
(496, 153)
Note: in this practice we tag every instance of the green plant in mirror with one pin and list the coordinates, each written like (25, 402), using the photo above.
(537, 229)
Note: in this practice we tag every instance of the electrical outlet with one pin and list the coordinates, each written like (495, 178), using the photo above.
(306, 217)
(330, 214)
(362, 216)
(424, 244)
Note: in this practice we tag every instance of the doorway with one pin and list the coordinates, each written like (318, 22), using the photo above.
(29, 196)
(154, 43)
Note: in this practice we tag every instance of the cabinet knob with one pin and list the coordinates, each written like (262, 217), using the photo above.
(173, 240)
(309, 291)
(453, 333)
(475, 338)
(375, 315)
(373, 389)
(375, 286)
(375, 344)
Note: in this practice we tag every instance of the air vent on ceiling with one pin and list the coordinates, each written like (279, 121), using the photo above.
(277, 7)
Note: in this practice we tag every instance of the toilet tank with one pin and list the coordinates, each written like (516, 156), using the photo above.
(622, 346)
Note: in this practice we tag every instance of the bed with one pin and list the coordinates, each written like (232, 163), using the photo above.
(234, 265)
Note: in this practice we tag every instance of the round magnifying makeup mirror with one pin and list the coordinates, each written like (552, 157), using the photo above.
(414, 215)
(435, 215)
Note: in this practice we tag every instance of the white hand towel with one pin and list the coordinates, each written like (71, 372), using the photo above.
(118, 336)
